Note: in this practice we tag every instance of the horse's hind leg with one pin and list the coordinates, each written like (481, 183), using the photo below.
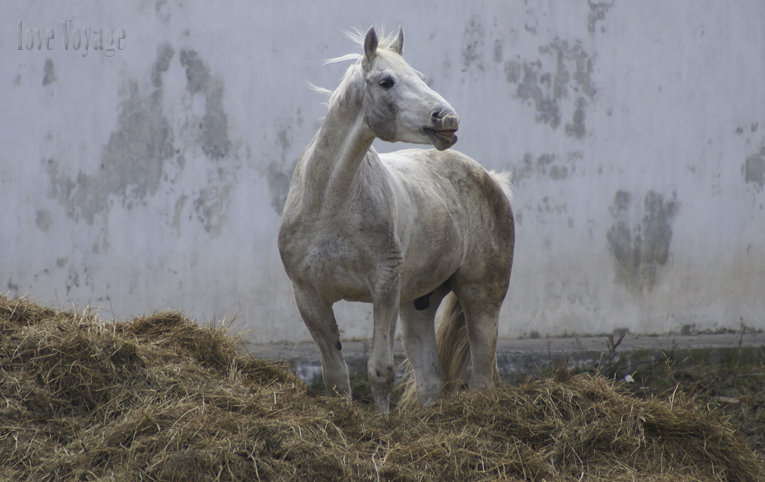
(481, 308)
(482, 324)
(320, 320)
(419, 339)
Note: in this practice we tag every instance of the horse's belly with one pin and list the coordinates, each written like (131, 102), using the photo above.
(424, 278)
(341, 274)
(434, 250)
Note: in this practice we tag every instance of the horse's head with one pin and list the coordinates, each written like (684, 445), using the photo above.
(398, 104)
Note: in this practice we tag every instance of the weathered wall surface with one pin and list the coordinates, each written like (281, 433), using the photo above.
(147, 150)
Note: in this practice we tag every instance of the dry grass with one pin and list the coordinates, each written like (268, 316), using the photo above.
(160, 398)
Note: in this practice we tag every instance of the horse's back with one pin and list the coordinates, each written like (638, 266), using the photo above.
(452, 173)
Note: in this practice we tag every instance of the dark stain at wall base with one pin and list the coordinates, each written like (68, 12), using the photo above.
(641, 249)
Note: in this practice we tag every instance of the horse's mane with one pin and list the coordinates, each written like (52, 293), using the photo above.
(356, 36)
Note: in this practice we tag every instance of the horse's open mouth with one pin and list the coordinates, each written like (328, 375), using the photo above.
(443, 138)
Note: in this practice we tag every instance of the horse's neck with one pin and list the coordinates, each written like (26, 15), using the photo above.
(332, 161)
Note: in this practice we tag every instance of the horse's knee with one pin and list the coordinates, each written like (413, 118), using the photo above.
(381, 375)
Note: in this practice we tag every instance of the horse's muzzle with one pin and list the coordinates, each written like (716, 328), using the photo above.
(442, 132)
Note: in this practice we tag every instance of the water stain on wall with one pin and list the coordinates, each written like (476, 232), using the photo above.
(135, 162)
(576, 127)
(549, 165)
(473, 39)
(278, 180)
(49, 72)
(498, 54)
(43, 219)
(598, 11)
(210, 203)
(210, 206)
(179, 205)
(214, 124)
(537, 87)
(559, 81)
(512, 71)
(162, 11)
(131, 163)
(279, 172)
(754, 168)
(641, 249)
(165, 54)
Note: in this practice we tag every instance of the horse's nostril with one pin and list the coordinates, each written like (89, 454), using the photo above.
(449, 121)
(437, 114)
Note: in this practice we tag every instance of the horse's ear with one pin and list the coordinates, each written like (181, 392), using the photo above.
(398, 43)
(370, 44)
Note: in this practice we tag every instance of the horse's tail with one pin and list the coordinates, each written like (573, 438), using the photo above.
(452, 342)
(504, 179)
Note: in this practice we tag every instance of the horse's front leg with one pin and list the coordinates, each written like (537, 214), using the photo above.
(380, 370)
(320, 320)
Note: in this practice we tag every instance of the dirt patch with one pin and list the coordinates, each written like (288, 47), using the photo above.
(161, 398)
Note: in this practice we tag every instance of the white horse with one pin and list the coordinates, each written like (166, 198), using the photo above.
(400, 230)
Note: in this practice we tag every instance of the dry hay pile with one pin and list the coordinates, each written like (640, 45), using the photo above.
(159, 398)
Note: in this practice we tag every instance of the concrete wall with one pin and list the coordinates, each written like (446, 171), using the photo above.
(149, 171)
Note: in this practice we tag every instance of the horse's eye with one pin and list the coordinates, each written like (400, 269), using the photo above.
(387, 83)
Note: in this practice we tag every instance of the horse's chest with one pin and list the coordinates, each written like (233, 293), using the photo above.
(329, 261)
